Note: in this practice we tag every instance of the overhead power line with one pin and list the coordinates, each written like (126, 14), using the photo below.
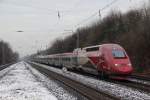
(97, 12)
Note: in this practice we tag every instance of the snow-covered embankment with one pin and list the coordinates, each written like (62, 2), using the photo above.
(123, 92)
(20, 84)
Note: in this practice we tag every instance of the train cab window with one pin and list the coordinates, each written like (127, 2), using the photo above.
(118, 54)
(92, 49)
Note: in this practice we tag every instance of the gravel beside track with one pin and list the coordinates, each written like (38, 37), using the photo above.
(5, 66)
(138, 86)
(140, 77)
(4, 69)
(117, 90)
(83, 89)
(19, 84)
(139, 83)
(57, 88)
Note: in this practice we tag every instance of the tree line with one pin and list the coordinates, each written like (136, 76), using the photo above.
(131, 30)
(6, 53)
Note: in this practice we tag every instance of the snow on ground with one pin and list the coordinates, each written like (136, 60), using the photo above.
(20, 84)
(55, 88)
(6, 70)
(125, 93)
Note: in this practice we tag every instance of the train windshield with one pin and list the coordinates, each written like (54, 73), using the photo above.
(118, 54)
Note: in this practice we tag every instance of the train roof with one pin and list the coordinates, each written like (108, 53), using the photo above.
(92, 46)
(60, 54)
(106, 45)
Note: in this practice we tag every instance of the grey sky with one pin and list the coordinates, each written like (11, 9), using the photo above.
(40, 23)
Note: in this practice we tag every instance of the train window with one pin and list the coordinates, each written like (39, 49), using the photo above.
(66, 59)
(92, 49)
(118, 54)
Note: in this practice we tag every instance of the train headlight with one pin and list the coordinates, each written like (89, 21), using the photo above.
(129, 64)
(116, 65)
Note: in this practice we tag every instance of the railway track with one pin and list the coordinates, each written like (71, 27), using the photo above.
(138, 82)
(86, 91)
(132, 84)
(5, 66)
(128, 83)
(140, 77)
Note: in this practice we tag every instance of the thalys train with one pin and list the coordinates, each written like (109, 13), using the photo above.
(104, 60)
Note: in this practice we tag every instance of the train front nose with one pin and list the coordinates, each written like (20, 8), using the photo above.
(123, 68)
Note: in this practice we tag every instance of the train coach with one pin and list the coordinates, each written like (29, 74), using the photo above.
(106, 59)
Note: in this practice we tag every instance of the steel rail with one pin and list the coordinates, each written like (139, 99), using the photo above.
(134, 85)
(5, 66)
(140, 77)
(86, 91)
(128, 83)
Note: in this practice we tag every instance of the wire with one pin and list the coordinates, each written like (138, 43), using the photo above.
(97, 12)
(58, 12)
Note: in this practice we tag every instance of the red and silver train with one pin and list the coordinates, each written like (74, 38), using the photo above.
(105, 59)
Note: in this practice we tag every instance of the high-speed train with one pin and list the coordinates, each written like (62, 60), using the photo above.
(105, 59)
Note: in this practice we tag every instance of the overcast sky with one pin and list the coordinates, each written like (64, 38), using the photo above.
(38, 19)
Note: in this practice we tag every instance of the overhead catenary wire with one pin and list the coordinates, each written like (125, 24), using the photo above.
(59, 12)
(97, 12)
(70, 10)
(65, 11)
(50, 11)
